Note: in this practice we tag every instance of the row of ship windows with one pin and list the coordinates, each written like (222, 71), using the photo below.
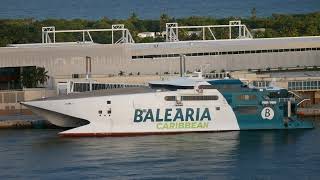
(83, 87)
(192, 98)
(225, 53)
(243, 97)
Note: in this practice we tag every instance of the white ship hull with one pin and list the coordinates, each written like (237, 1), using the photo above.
(139, 113)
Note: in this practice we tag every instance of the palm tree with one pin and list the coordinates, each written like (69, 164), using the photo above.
(42, 75)
(32, 76)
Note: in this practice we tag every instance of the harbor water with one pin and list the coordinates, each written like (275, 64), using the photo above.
(150, 9)
(268, 154)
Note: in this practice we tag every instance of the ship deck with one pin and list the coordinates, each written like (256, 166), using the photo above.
(105, 92)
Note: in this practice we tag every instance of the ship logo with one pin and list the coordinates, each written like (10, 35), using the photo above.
(267, 113)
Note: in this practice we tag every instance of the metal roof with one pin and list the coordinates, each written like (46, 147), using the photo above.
(307, 41)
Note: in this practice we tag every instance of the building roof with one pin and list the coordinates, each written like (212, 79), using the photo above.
(258, 43)
(243, 44)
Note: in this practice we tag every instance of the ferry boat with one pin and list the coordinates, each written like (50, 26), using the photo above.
(168, 107)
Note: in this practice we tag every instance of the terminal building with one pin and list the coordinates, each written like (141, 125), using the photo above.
(239, 52)
(85, 59)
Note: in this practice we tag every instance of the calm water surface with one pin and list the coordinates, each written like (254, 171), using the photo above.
(150, 9)
(41, 154)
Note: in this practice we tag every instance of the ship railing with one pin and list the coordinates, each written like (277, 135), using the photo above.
(300, 97)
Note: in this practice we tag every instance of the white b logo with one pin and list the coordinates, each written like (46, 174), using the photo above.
(267, 113)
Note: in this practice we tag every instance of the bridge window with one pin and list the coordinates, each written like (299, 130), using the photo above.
(206, 87)
(199, 98)
(170, 98)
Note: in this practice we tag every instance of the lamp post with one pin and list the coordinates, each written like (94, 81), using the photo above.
(88, 67)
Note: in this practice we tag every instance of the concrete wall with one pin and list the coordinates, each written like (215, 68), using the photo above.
(229, 62)
(64, 60)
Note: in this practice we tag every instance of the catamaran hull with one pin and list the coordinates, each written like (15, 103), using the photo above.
(152, 113)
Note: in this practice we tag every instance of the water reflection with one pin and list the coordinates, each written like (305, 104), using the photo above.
(224, 155)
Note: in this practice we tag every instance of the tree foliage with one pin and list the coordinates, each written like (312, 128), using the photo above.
(33, 76)
(15, 31)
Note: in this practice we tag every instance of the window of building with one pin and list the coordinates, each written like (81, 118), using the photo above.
(75, 76)
(226, 53)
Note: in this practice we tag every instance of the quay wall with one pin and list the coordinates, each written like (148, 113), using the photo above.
(10, 100)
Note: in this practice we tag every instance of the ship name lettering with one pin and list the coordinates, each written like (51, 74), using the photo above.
(172, 115)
